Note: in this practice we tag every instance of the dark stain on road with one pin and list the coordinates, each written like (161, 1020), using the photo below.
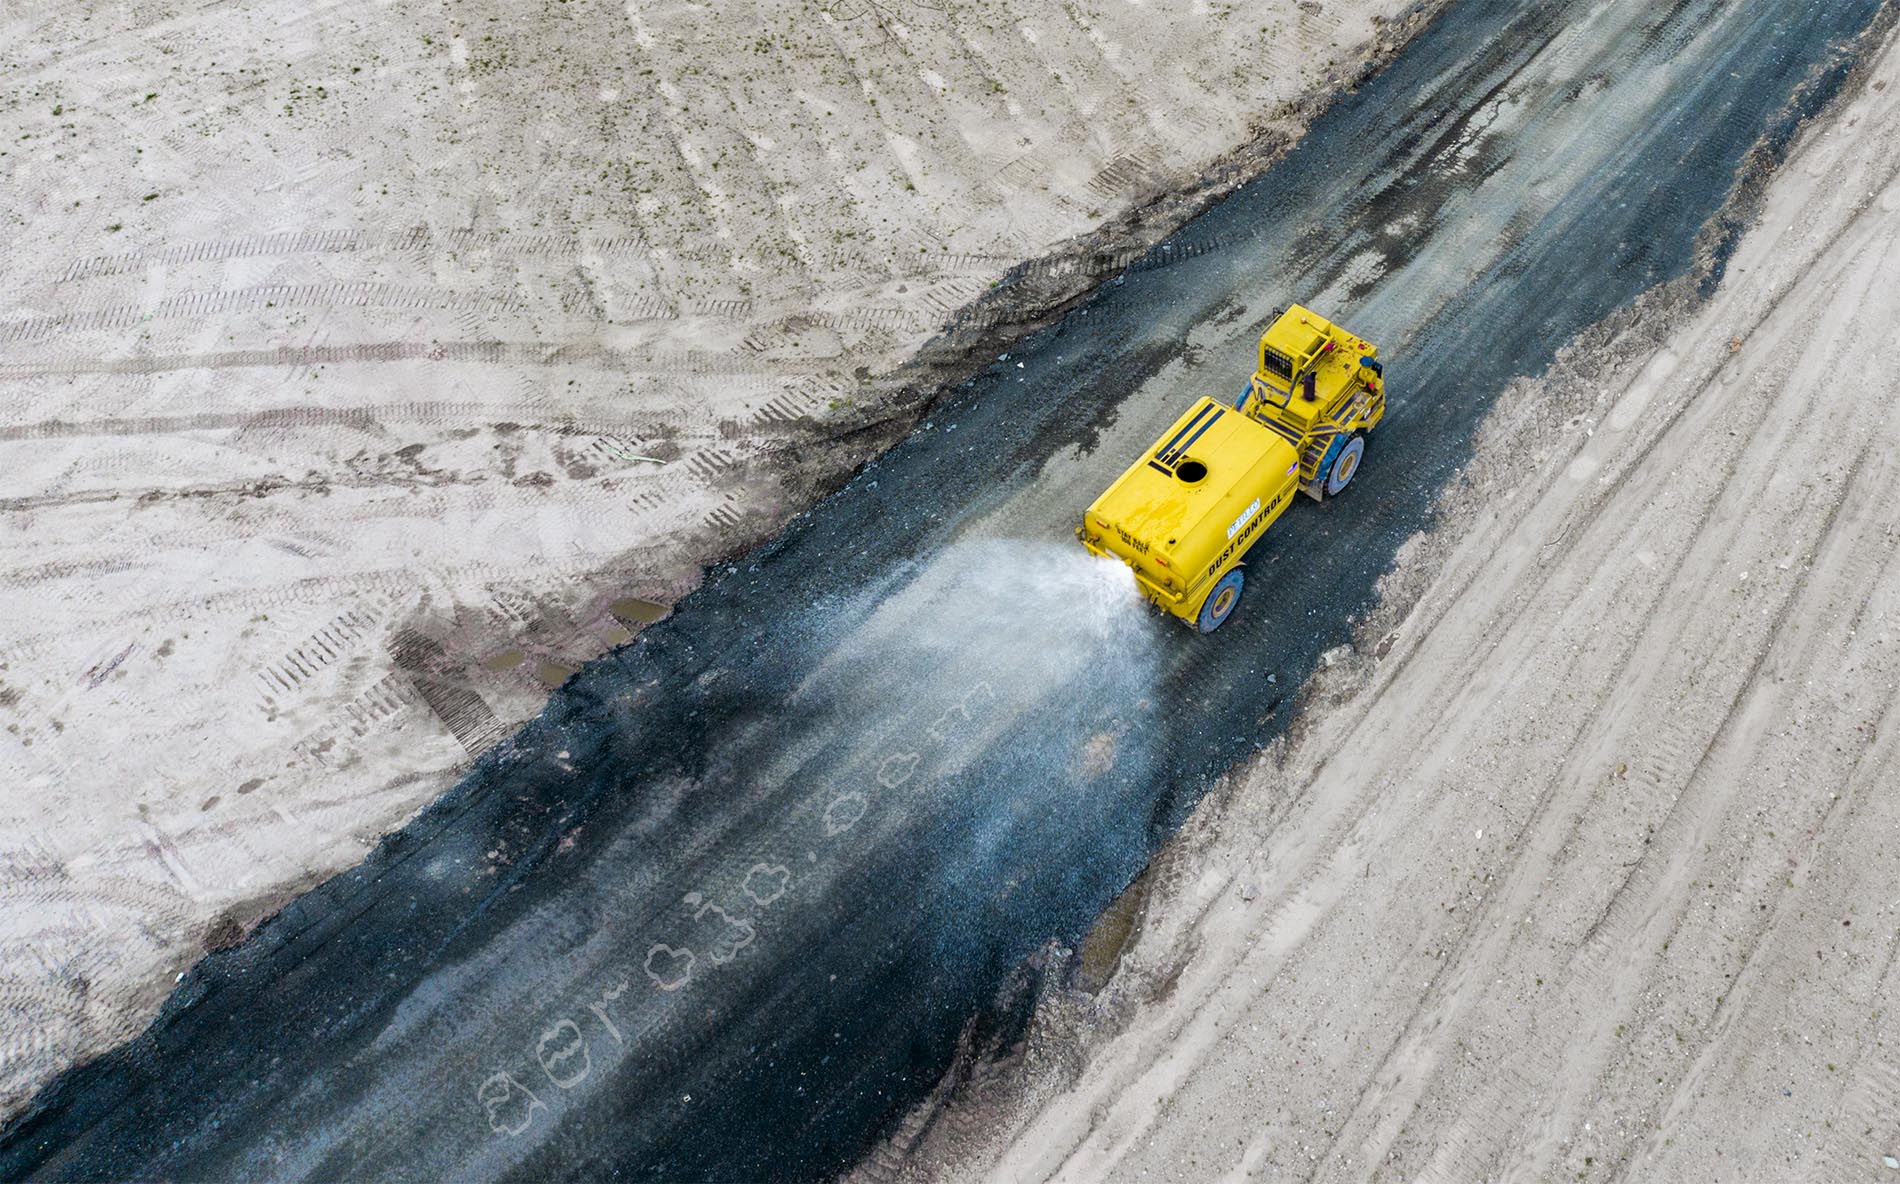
(724, 910)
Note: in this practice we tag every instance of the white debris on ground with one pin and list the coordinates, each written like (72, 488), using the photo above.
(1584, 867)
(366, 368)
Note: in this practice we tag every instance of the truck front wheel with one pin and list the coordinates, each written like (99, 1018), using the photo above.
(1345, 463)
(1221, 601)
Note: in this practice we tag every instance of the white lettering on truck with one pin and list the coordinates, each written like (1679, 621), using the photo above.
(1246, 516)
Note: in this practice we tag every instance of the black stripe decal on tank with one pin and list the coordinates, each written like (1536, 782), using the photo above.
(1197, 435)
(1176, 447)
(1163, 451)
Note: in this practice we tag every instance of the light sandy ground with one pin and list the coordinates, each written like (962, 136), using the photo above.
(1585, 866)
(366, 367)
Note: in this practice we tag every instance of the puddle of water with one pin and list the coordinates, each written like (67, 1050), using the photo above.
(552, 673)
(635, 611)
(1101, 951)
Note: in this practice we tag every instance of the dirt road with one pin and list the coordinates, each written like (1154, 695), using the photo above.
(364, 370)
(725, 909)
(1586, 869)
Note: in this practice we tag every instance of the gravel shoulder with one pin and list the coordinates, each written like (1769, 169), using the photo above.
(1580, 864)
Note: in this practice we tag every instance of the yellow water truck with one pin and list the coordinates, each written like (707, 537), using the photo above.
(1183, 516)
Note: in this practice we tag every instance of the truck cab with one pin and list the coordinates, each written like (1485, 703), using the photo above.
(1316, 386)
(1183, 516)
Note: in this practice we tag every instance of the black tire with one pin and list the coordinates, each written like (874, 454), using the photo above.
(1344, 466)
(1221, 601)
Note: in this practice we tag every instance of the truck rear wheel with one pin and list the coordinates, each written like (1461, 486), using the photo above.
(1345, 463)
(1221, 601)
